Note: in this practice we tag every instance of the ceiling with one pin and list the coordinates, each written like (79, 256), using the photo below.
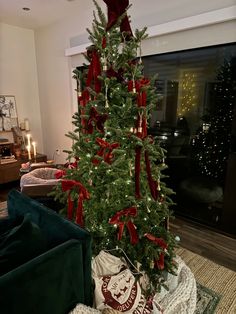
(42, 12)
(45, 12)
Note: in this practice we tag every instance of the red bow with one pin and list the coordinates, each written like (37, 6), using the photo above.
(160, 242)
(59, 174)
(68, 185)
(115, 10)
(105, 146)
(131, 211)
(98, 119)
(94, 71)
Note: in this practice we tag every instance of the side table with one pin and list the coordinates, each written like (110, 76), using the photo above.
(11, 171)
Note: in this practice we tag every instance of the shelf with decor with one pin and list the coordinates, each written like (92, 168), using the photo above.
(11, 171)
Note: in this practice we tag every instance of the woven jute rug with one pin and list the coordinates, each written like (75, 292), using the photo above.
(3, 211)
(215, 277)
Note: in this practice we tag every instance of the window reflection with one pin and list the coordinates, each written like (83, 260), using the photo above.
(193, 121)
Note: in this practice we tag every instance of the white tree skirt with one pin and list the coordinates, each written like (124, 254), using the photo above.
(181, 297)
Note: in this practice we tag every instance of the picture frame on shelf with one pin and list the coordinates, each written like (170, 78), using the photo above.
(8, 113)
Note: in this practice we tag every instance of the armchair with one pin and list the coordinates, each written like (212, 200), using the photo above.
(57, 279)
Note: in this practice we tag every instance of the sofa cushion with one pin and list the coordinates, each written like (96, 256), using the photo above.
(21, 241)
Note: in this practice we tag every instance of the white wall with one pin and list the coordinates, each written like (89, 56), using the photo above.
(54, 69)
(54, 76)
(18, 75)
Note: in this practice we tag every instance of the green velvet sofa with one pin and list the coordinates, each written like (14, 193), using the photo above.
(57, 274)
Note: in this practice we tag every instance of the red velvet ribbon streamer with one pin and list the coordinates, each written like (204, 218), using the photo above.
(104, 42)
(153, 185)
(115, 220)
(94, 71)
(141, 127)
(105, 146)
(138, 150)
(98, 119)
(160, 242)
(142, 94)
(115, 10)
(83, 100)
(68, 185)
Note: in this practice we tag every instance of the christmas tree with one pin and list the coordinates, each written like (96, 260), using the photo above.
(212, 143)
(114, 187)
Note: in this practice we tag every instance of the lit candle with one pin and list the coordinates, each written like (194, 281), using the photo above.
(34, 146)
(29, 153)
(28, 139)
(27, 128)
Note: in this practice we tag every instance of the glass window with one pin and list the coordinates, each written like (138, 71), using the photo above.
(193, 122)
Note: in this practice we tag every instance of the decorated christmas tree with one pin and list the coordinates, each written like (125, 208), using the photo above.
(113, 186)
(212, 144)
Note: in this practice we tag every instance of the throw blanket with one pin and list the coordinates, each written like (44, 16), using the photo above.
(83, 309)
(117, 291)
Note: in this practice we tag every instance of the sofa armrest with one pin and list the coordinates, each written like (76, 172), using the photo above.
(49, 283)
(34, 190)
(56, 229)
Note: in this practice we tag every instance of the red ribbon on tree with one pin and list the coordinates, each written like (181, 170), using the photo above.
(142, 94)
(153, 184)
(94, 71)
(83, 100)
(102, 151)
(160, 242)
(60, 173)
(68, 185)
(115, 220)
(138, 150)
(115, 10)
(98, 119)
(141, 127)
(139, 86)
(104, 42)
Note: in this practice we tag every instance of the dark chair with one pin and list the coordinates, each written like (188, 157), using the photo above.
(53, 281)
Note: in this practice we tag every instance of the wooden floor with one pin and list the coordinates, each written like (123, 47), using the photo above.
(199, 239)
(203, 241)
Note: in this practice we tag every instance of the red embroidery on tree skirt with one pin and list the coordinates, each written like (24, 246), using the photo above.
(121, 292)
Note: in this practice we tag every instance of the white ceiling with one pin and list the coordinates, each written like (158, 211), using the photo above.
(42, 12)
(45, 12)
